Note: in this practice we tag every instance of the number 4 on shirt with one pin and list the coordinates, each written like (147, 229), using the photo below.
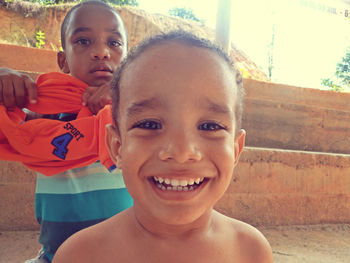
(61, 142)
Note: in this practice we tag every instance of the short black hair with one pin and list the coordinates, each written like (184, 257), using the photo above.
(64, 25)
(185, 38)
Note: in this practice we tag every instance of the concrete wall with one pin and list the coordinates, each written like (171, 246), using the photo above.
(28, 59)
(269, 187)
(282, 187)
(17, 190)
(287, 117)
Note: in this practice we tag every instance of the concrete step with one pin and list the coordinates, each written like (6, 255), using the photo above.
(287, 117)
(17, 193)
(284, 187)
(28, 59)
(269, 187)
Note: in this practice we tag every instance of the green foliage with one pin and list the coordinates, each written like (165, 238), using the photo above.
(46, 2)
(341, 80)
(332, 85)
(55, 2)
(186, 13)
(123, 2)
(40, 39)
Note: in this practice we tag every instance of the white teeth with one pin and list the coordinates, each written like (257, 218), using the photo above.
(174, 183)
(183, 182)
(176, 188)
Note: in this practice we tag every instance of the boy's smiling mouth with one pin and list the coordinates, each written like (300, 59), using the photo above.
(167, 184)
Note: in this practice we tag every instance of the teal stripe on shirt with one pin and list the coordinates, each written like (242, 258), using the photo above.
(95, 180)
(96, 167)
(50, 207)
(58, 185)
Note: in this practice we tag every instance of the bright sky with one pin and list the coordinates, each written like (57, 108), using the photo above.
(311, 36)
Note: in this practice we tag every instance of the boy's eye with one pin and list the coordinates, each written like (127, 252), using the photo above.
(148, 124)
(83, 41)
(115, 43)
(210, 126)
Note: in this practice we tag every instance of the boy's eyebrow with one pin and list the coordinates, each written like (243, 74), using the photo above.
(80, 29)
(141, 106)
(115, 32)
(218, 108)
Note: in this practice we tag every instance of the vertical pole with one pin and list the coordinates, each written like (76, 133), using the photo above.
(223, 24)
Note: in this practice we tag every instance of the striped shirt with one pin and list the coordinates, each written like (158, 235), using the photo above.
(68, 202)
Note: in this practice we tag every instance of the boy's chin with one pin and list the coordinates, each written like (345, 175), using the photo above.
(97, 82)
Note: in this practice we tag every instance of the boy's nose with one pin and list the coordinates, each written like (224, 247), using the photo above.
(180, 148)
(100, 53)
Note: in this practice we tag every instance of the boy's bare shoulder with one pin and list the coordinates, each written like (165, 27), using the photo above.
(92, 244)
(78, 247)
(72, 250)
(252, 245)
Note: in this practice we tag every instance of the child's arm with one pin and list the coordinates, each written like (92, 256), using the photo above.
(14, 87)
(97, 97)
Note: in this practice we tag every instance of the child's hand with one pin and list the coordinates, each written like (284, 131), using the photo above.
(97, 97)
(14, 87)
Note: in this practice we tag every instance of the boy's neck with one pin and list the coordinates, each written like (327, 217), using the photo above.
(155, 228)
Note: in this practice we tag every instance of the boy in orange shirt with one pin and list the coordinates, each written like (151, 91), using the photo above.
(177, 106)
(94, 41)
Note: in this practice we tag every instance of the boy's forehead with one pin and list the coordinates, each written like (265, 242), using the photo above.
(176, 55)
(169, 64)
(89, 14)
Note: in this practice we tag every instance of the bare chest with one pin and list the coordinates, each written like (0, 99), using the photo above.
(171, 253)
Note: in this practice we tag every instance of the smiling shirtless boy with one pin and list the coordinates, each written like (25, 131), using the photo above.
(177, 138)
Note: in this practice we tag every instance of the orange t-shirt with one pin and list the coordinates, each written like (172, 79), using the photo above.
(52, 146)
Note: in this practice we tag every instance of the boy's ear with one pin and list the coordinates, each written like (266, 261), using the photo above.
(62, 62)
(113, 144)
(239, 144)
